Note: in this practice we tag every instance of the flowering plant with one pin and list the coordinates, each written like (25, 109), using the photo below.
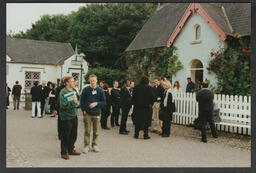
(232, 68)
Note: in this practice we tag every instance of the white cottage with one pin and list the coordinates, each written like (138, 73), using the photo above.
(195, 29)
(33, 60)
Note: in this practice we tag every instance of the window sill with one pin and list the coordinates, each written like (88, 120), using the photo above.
(196, 42)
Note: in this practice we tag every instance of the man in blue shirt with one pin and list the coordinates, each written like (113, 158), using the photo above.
(91, 101)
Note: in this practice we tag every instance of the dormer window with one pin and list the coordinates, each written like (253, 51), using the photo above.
(197, 34)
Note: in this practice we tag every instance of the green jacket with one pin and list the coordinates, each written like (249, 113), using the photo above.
(68, 109)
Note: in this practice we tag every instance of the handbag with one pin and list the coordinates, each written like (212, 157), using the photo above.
(216, 114)
(173, 107)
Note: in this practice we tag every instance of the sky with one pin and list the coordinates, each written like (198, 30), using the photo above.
(21, 16)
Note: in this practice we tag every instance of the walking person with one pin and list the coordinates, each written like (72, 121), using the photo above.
(106, 108)
(47, 101)
(166, 109)
(36, 99)
(52, 101)
(68, 105)
(142, 100)
(190, 86)
(205, 104)
(92, 100)
(16, 92)
(158, 96)
(115, 102)
(126, 103)
(8, 90)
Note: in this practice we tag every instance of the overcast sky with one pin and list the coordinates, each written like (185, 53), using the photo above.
(20, 16)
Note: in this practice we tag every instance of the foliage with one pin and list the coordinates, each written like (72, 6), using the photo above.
(106, 74)
(150, 62)
(101, 31)
(232, 68)
(49, 28)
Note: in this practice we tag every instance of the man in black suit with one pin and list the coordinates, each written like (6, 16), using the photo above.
(205, 102)
(126, 103)
(115, 102)
(190, 86)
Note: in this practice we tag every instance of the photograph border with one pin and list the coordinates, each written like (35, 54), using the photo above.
(3, 4)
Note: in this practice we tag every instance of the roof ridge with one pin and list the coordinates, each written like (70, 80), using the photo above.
(39, 40)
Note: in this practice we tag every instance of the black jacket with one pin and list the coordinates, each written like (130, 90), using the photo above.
(45, 90)
(142, 96)
(115, 96)
(126, 97)
(205, 100)
(158, 92)
(36, 93)
(169, 103)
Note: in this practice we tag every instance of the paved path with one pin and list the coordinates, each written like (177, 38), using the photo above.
(34, 143)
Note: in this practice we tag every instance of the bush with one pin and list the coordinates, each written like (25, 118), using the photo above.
(106, 74)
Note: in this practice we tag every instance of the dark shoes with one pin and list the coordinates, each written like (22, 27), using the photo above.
(146, 137)
(74, 152)
(123, 133)
(204, 140)
(65, 156)
(105, 128)
(165, 135)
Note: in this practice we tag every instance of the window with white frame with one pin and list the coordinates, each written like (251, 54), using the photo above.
(75, 76)
(197, 32)
(30, 78)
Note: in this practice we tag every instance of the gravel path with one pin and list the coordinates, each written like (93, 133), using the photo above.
(34, 143)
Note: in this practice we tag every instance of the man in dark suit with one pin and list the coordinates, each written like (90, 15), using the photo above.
(190, 86)
(115, 101)
(142, 100)
(205, 102)
(126, 103)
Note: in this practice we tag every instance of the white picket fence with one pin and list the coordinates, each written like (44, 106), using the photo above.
(235, 112)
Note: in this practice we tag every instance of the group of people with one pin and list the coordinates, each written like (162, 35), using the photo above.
(16, 93)
(151, 108)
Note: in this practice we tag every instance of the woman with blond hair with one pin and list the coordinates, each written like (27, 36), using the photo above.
(166, 109)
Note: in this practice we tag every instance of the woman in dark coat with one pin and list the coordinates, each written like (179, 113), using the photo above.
(106, 108)
(166, 111)
(52, 101)
(142, 100)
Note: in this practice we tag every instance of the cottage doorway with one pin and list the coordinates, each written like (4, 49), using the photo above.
(197, 72)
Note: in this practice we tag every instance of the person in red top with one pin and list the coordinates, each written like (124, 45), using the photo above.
(16, 92)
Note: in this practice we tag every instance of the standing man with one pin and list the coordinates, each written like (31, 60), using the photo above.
(68, 104)
(205, 103)
(36, 99)
(190, 86)
(58, 89)
(126, 103)
(92, 100)
(158, 96)
(16, 92)
(131, 110)
(142, 100)
(8, 90)
(115, 101)
(44, 92)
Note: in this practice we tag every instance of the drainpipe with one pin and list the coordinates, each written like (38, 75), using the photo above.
(226, 18)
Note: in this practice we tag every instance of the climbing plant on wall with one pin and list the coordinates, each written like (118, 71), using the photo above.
(158, 61)
(232, 68)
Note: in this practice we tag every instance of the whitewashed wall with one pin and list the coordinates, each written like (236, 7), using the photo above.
(16, 71)
(188, 51)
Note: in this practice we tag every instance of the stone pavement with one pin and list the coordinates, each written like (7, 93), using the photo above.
(34, 143)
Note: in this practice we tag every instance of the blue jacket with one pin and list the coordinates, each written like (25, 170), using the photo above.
(88, 97)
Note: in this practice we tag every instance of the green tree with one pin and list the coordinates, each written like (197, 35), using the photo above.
(49, 28)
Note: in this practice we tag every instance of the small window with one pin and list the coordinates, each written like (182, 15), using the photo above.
(197, 31)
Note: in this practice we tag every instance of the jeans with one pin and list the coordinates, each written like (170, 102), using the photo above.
(95, 122)
(38, 106)
(16, 101)
(68, 135)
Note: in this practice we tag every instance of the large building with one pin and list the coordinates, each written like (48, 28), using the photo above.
(33, 60)
(195, 29)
